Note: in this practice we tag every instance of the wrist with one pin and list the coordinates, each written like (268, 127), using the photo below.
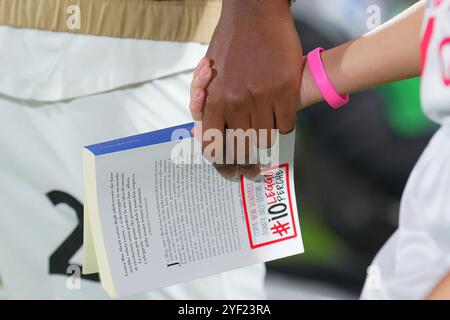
(254, 8)
(309, 93)
(335, 82)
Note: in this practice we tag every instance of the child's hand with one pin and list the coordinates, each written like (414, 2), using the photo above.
(202, 76)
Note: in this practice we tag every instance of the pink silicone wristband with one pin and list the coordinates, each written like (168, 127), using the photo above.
(326, 88)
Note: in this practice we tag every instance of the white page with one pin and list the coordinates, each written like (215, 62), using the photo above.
(165, 223)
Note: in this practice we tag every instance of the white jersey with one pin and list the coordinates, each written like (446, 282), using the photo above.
(58, 93)
(417, 256)
(436, 62)
(51, 66)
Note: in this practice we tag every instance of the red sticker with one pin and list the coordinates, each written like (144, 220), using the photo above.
(268, 210)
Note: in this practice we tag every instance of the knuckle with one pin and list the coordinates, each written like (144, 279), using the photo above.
(234, 98)
(259, 91)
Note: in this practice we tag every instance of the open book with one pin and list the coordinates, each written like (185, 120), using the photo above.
(153, 219)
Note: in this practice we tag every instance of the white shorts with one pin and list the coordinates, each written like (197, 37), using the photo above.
(417, 256)
(72, 90)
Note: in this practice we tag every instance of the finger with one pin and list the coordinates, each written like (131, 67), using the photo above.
(239, 137)
(250, 172)
(285, 117)
(202, 76)
(196, 104)
(197, 133)
(229, 172)
(203, 62)
(201, 80)
(263, 120)
(213, 135)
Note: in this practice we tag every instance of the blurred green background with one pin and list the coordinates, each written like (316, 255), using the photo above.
(351, 164)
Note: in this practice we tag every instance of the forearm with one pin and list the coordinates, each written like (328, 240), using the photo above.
(389, 53)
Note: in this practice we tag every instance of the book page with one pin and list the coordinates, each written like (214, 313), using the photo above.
(165, 223)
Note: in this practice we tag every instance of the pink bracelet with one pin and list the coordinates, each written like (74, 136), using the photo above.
(326, 88)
